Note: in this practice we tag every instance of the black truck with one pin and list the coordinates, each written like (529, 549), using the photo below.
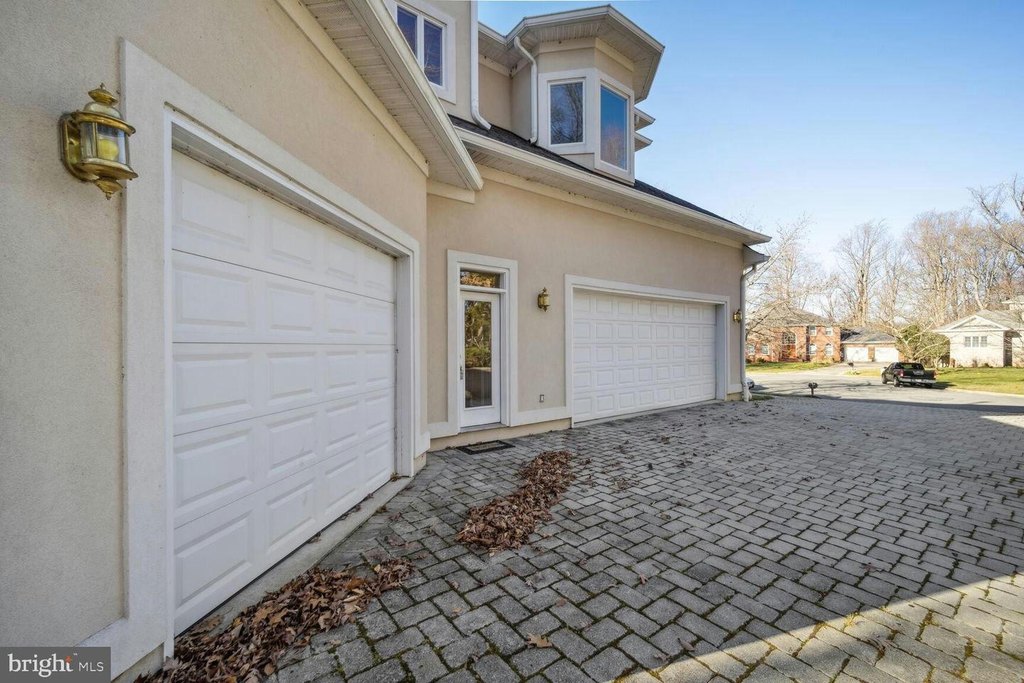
(907, 373)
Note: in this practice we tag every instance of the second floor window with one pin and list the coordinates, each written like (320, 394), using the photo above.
(426, 39)
(566, 112)
(812, 330)
(614, 128)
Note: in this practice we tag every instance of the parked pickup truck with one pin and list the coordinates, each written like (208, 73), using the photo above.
(907, 373)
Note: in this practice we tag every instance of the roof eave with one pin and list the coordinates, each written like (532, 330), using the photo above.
(716, 227)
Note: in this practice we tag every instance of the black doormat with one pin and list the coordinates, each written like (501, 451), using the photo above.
(485, 447)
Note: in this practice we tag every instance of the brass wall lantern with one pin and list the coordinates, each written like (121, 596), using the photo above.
(737, 316)
(94, 143)
(543, 299)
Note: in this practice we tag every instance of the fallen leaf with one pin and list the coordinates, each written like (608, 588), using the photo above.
(537, 641)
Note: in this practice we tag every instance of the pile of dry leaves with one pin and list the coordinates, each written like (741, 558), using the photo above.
(507, 522)
(248, 649)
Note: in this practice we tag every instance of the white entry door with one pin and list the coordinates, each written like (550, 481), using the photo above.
(480, 359)
(631, 354)
(283, 370)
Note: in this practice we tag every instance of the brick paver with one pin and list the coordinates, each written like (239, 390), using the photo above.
(790, 539)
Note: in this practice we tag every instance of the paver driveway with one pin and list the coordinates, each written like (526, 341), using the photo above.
(801, 539)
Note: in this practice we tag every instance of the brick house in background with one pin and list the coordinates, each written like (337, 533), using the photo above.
(795, 335)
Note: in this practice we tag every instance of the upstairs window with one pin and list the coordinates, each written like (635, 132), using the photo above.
(566, 112)
(812, 330)
(614, 128)
(427, 40)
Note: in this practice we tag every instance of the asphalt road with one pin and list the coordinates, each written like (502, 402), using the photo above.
(833, 382)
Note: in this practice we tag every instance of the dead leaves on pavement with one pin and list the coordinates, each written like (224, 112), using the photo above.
(247, 650)
(508, 521)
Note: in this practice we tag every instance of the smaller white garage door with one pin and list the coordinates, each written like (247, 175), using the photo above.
(856, 353)
(633, 354)
(283, 367)
(886, 354)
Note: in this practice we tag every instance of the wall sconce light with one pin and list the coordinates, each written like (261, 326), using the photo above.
(737, 316)
(94, 143)
(543, 299)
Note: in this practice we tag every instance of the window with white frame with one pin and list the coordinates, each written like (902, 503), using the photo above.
(750, 349)
(429, 35)
(812, 330)
(812, 349)
(828, 331)
(764, 349)
(975, 342)
(566, 112)
(614, 128)
(828, 350)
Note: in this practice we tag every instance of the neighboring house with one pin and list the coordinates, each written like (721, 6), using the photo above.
(987, 337)
(795, 335)
(870, 347)
(329, 264)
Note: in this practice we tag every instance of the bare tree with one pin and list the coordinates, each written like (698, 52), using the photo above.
(931, 243)
(785, 281)
(1002, 208)
(861, 269)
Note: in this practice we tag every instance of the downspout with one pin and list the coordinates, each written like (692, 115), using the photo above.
(743, 330)
(474, 67)
(533, 88)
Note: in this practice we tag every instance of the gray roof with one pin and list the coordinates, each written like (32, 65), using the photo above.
(866, 337)
(1011, 319)
(509, 138)
(797, 316)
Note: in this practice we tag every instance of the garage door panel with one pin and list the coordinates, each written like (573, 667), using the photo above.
(223, 219)
(219, 383)
(283, 365)
(663, 354)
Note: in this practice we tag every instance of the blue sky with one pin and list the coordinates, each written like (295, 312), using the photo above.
(845, 111)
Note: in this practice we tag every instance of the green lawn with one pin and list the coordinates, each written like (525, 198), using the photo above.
(785, 367)
(1002, 380)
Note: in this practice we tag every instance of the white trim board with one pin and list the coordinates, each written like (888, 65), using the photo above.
(176, 114)
(510, 347)
(722, 308)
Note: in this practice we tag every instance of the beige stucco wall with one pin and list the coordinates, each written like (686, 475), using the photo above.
(582, 54)
(60, 284)
(551, 238)
(496, 97)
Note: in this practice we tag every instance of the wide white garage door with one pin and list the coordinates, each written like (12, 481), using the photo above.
(854, 353)
(633, 354)
(283, 367)
(886, 354)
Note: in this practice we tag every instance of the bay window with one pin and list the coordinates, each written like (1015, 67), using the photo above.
(566, 112)
(614, 128)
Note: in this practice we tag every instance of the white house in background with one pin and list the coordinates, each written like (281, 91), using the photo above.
(988, 337)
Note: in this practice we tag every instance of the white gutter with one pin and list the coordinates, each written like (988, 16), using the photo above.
(743, 330)
(533, 88)
(474, 67)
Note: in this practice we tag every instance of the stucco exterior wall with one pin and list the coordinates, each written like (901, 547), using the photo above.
(60, 312)
(496, 97)
(551, 238)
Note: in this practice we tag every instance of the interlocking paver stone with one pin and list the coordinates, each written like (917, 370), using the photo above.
(689, 546)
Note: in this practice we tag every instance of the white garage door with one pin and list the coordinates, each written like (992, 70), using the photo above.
(884, 354)
(632, 354)
(284, 372)
(856, 353)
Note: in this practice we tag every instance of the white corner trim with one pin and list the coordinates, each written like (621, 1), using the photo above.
(171, 112)
(450, 192)
(722, 328)
(309, 27)
(510, 348)
(735, 388)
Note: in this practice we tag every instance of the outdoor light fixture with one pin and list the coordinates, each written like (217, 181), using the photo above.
(737, 316)
(543, 299)
(94, 143)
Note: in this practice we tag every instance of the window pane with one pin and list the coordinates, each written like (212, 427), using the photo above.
(477, 279)
(407, 24)
(479, 382)
(614, 145)
(433, 41)
(566, 113)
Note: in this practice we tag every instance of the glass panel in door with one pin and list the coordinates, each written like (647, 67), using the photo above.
(480, 363)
